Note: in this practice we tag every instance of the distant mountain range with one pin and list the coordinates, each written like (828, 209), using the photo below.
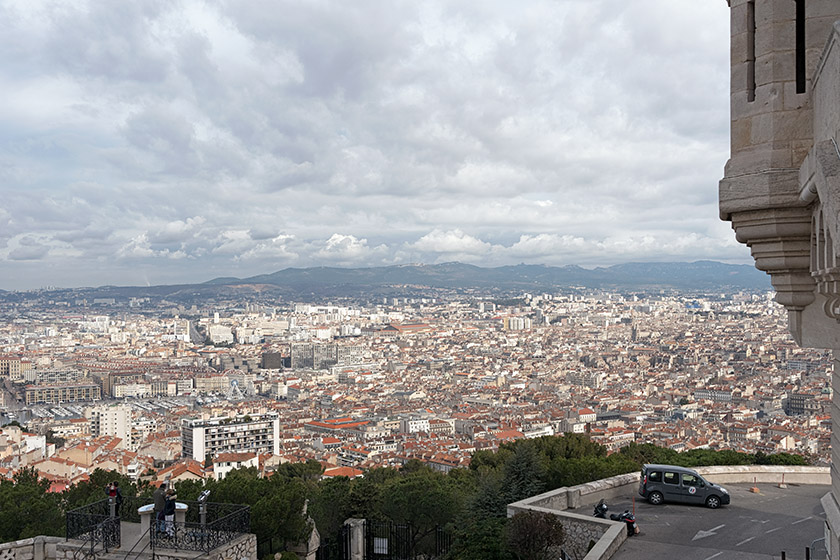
(699, 275)
(311, 283)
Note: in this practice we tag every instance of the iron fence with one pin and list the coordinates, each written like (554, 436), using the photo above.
(224, 524)
(81, 521)
(98, 532)
(392, 541)
(93, 524)
(337, 547)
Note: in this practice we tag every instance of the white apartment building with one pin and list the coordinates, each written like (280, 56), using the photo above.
(110, 420)
(413, 425)
(223, 463)
(141, 428)
(220, 334)
(257, 433)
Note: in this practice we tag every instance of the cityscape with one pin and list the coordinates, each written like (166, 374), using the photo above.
(420, 281)
(143, 387)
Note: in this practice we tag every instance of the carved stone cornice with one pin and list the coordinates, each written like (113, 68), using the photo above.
(780, 242)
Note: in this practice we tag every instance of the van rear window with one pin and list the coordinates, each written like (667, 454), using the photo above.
(672, 478)
(655, 476)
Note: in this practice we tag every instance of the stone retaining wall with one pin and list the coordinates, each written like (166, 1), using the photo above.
(238, 549)
(244, 547)
(766, 474)
(582, 530)
(36, 548)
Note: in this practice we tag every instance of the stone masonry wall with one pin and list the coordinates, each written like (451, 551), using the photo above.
(583, 530)
(36, 548)
(245, 547)
(242, 548)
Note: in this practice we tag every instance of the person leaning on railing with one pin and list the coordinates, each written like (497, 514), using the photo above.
(169, 512)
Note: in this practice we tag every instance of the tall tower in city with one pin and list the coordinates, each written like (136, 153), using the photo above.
(781, 186)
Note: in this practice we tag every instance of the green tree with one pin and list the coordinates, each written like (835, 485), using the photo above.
(278, 515)
(422, 499)
(190, 490)
(93, 489)
(27, 508)
(330, 505)
(239, 486)
(366, 493)
(311, 470)
(479, 530)
(523, 474)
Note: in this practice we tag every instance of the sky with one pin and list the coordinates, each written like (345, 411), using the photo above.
(176, 141)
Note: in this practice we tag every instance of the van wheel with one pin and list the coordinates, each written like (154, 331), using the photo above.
(655, 498)
(713, 502)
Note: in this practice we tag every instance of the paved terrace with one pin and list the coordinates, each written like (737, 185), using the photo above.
(753, 527)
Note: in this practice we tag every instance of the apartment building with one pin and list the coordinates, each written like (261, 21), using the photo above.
(62, 393)
(258, 433)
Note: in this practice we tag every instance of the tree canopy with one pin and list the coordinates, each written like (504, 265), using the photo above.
(470, 503)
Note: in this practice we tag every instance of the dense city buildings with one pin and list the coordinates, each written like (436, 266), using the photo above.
(362, 384)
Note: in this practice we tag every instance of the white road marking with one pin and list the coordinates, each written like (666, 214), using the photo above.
(745, 541)
(714, 556)
(771, 530)
(709, 533)
(801, 520)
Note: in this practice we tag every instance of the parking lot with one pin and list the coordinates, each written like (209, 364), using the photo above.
(755, 526)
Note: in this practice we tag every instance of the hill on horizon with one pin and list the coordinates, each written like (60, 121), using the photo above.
(698, 275)
(327, 282)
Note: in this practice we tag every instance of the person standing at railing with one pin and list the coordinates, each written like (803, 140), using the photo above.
(169, 512)
(160, 503)
(111, 491)
(118, 497)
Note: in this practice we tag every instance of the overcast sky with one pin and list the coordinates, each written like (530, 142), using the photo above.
(159, 142)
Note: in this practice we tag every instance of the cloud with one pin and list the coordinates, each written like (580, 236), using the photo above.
(177, 231)
(140, 248)
(346, 249)
(28, 249)
(452, 245)
(201, 139)
(278, 250)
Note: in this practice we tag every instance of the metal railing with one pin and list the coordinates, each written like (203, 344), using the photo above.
(197, 536)
(98, 538)
(82, 522)
(385, 540)
(207, 526)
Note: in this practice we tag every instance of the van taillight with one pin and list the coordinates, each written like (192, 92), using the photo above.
(644, 482)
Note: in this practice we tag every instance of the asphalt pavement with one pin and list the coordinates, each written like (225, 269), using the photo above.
(755, 526)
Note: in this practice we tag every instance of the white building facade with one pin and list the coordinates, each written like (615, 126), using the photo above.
(256, 433)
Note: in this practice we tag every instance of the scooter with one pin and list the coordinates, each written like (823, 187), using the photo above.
(601, 509)
(629, 520)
